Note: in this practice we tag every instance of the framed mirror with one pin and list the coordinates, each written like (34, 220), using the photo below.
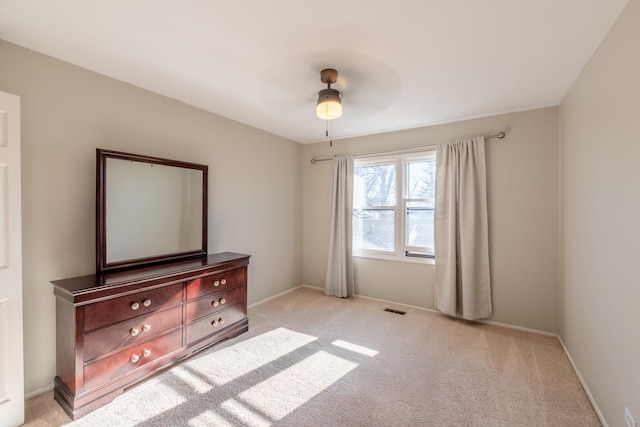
(148, 210)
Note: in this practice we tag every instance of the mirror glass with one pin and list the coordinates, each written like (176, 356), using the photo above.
(149, 210)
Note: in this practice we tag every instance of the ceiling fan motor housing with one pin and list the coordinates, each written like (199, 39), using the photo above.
(329, 76)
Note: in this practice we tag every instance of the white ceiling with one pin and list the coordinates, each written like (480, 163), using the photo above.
(402, 63)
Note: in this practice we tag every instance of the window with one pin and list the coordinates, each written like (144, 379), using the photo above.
(393, 204)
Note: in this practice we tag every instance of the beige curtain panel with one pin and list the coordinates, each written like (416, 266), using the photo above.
(463, 285)
(339, 278)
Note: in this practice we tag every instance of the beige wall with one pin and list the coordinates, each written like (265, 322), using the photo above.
(601, 177)
(67, 112)
(522, 185)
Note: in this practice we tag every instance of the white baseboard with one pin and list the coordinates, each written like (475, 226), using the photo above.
(38, 392)
(414, 307)
(262, 301)
(519, 328)
(584, 384)
(317, 288)
(310, 287)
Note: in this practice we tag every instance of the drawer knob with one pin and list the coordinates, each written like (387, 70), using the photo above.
(221, 301)
(135, 306)
(223, 281)
(134, 358)
(214, 323)
(216, 283)
(146, 302)
(221, 320)
(134, 331)
(146, 353)
(146, 328)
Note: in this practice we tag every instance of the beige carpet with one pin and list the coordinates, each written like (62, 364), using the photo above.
(311, 360)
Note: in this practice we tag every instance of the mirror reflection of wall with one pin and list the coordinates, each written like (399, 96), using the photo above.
(151, 210)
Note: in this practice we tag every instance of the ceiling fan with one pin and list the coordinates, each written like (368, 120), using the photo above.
(329, 104)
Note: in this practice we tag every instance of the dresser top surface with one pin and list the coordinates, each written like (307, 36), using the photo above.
(93, 282)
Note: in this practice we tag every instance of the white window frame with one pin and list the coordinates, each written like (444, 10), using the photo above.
(401, 162)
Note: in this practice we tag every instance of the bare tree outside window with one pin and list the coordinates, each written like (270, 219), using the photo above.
(374, 191)
(385, 205)
(421, 187)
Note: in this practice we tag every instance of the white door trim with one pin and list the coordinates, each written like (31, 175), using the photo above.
(11, 339)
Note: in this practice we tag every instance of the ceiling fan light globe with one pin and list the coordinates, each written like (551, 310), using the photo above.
(329, 106)
(329, 110)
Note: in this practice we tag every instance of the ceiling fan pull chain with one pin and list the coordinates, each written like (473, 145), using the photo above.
(331, 134)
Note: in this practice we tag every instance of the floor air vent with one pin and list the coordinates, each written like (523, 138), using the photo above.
(393, 310)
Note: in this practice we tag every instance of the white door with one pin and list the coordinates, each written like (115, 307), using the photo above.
(11, 362)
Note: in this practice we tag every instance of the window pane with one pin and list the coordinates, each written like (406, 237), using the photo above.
(419, 226)
(374, 229)
(421, 183)
(374, 185)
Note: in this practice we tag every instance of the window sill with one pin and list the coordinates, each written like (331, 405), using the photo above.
(412, 260)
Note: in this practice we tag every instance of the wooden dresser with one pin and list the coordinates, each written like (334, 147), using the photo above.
(116, 329)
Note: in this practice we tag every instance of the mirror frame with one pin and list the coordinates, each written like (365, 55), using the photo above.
(102, 265)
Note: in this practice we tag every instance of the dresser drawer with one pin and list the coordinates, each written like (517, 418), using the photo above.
(214, 302)
(214, 323)
(216, 283)
(101, 371)
(115, 310)
(131, 331)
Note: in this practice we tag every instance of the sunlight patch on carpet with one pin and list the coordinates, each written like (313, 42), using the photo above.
(355, 348)
(286, 391)
(229, 414)
(254, 353)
